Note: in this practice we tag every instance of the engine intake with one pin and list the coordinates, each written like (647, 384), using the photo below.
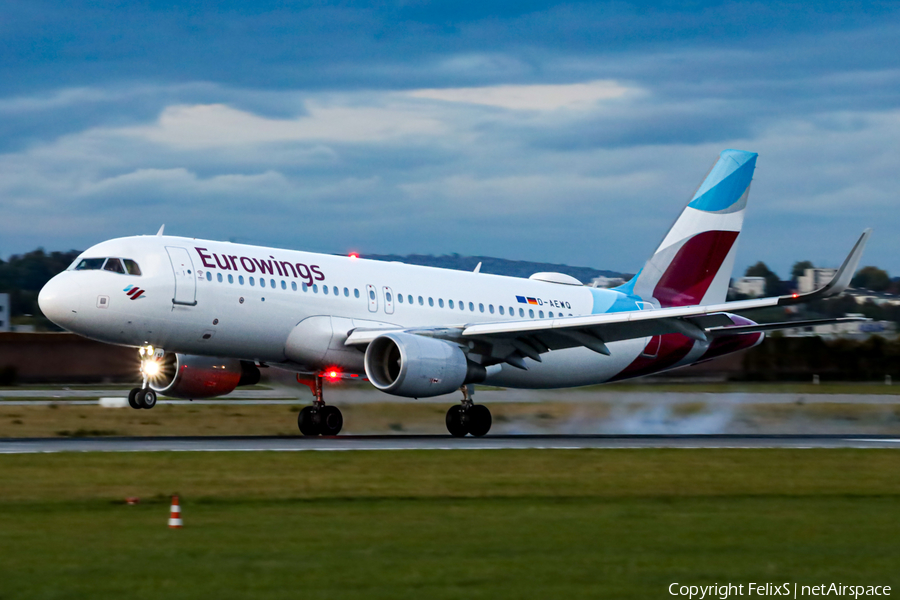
(189, 376)
(405, 364)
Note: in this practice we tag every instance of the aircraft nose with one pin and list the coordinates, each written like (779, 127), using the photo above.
(52, 302)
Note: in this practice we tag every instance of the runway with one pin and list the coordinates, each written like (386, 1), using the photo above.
(435, 442)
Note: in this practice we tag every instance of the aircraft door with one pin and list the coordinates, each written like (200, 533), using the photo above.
(388, 300)
(185, 283)
(372, 297)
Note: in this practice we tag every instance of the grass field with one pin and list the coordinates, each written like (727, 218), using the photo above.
(445, 524)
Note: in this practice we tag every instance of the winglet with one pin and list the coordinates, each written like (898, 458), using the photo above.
(841, 279)
(161, 230)
(477, 268)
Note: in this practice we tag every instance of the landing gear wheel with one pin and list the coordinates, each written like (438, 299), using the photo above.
(456, 421)
(146, 398)
(132, 398)
(306, 421)
(329, 420)
(478, 420)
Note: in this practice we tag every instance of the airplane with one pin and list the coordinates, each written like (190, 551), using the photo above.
(207, 315)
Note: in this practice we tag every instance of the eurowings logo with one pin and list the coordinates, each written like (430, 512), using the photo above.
(134, 292)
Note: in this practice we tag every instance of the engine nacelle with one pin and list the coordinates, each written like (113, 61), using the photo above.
(405, 364)
(188, 376)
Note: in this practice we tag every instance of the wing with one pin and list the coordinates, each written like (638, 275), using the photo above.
(512, 341)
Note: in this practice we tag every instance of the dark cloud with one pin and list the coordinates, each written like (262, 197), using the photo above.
(814, 87)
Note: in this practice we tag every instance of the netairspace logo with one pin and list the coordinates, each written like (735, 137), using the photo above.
(787, 589)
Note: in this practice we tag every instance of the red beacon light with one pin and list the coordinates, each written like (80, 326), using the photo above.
(332, 374)
(354, 255)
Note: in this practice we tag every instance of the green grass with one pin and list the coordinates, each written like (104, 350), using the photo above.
(439, 524)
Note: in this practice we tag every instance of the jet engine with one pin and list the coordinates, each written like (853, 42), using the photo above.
(188, 376)
(405, 364)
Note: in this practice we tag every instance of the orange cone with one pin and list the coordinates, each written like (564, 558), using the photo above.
(175, 515)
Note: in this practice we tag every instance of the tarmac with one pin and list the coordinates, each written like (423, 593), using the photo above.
(434, 442)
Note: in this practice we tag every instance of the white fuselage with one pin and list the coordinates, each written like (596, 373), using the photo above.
(208, 299)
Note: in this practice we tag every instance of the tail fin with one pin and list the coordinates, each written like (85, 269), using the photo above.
(694, 262)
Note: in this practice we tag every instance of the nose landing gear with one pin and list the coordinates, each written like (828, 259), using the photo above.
(144, 397)
(468, 417)
(320, 418)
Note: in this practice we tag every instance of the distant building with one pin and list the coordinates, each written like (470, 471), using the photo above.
(862, 296)
(813, 279)
(750, 286)
(852, 329)
(4, 312)
(606, 282)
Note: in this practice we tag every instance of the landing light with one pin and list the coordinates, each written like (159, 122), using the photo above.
(151, 368)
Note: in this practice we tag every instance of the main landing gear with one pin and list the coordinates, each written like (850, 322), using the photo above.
(468, 417)
(144, 397)
(320, 418)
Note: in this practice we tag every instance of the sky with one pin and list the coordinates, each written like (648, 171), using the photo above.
(560, 132)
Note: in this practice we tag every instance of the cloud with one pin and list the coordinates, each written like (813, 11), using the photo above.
(575, 96)
(569, 132)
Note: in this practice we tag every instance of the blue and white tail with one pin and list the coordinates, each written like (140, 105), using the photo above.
(694, 261)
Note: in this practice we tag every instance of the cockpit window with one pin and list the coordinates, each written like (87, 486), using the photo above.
(90, 264)
(114, 265)
(132, 267)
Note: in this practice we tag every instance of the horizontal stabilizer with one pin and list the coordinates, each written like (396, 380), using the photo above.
(715, 331)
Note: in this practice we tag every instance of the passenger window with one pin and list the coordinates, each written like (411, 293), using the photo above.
(371, 294)
(409, 298)
(230, 278)
(450, 303)
(501, 310)
(294, 286)
(252, 281)
(462, 305)
(335, 290)
(387, 296)
(208, 276)
(431, 302)
(283, 285)
(491, 308)
(346, 293)
(90, 264)
(541, 314)
(480, 307)
(262, 282)
(521, 312)
(114, 265)
(421, 301)
(132, 267)
(400, 298)
(219, 277)
(325, 289)
(241, 279)
(441, 302)
(304, 287)
(512, 311)
(472, 306)
(551, 314)
(272, 283)
(315, 288)
(530, 313)
(355, 292)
